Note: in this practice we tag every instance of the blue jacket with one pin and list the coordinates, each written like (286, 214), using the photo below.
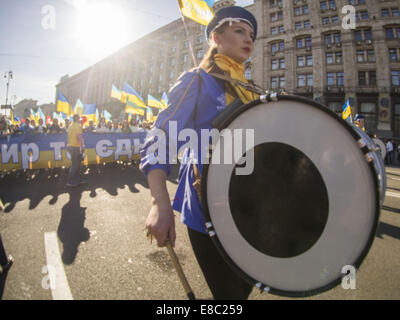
(194, 101)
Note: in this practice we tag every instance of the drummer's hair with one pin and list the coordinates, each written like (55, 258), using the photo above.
(208, 61)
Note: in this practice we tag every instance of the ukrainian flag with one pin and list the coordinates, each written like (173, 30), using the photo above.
(131, 107)
(89, 111)
(79, 107)
(97, 117)
(153, 102)
(346, 111)
(41, 115)
(107, 115)
(62, 104)
(164, 100)
(129, 94)
(197, 10)
(149, 114)
(34, 116)
(116, 93)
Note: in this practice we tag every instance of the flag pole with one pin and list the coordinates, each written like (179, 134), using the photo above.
(186, 33)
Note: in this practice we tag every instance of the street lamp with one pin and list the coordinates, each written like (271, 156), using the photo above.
(9, 76)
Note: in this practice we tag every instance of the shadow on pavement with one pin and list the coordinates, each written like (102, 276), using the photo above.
(38, 184)
(388, 229)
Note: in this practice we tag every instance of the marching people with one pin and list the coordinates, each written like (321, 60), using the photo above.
(193, 103)
(76, 149)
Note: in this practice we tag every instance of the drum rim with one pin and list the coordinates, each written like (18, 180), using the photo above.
(226, 118)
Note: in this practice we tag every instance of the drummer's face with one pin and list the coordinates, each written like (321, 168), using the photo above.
(236, 41)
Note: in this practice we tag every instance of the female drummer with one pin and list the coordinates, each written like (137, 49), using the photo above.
(195, 100)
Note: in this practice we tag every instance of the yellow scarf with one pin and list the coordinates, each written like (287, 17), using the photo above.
(236, 71)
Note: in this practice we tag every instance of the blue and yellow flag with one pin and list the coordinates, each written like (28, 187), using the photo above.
(34, 116)
(40, 115)
(164, 100)
(63, 104)
(346, 112)
(89, 111)
(149, 114)
(131, 107)
(153, 102)
(129, 94)
(79, 107)
(116, 93)
(107, 115)
(197, 10)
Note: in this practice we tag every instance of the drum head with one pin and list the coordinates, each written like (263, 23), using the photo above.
(309, 207)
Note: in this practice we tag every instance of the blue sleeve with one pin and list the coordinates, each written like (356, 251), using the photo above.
(178, 115)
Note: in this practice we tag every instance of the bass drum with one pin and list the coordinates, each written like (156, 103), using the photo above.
(308, 208)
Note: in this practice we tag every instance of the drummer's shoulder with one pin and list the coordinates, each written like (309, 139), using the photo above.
(188, 79)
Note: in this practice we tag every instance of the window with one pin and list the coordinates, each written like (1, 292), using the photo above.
(274, 30)
(171, 74)
(372, 78)
(393, 54)
(340, 78)
(274, 82)
(329, 58)
(274, 64)
(335, 19)
(367, 35)
(339, 58)
(325, 20)
(328, 39)
(280, 15)
(309, 61)
(272, 3)
(186, 44)
(185, 57)
(200, 54)
(281, 46)
(281, 29)
(370, 55)
(282, 82)
(385, 13)
(308, 42)
(305, 9)
(309, 80)
(364, 15)
(360, 55)
(298, 25)
(300, 61)
(282, 64)
(395, 78)
(395, 12)
(307, 24)
(273, 17)
(274, 47)
(172, 62)
(323, 5)
(332, 4)
(358, 35)
(299, 43)
(301, 80)
(336, 37)
(393, 33)
(330, 78)
(362, 80)
(297, 11)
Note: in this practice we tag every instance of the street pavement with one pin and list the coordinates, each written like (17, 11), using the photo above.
(94, 241)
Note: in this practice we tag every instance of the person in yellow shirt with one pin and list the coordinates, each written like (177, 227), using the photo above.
(76, 148)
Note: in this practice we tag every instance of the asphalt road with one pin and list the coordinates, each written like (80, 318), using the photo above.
(99, 230)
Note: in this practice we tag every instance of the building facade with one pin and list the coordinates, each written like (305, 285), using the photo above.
(303, 47)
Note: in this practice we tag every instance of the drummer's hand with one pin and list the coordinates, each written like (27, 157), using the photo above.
(161, 223)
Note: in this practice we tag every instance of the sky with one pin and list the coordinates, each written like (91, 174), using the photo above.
(43, 40)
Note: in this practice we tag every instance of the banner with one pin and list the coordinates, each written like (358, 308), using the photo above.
(39, 151)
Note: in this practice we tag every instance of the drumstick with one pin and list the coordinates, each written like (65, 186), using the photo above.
(179, 270)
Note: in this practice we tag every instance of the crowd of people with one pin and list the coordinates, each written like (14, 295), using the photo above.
(56, 127)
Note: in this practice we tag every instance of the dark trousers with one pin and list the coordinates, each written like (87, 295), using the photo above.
(3, 254)
(224, 283)
(74, 170)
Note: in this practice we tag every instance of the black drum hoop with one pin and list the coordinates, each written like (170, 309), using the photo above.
(225, 119)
